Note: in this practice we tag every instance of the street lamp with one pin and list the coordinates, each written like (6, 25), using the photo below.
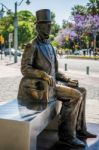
(15, 23)
(2, 11)
(16, 28)
(94, 36)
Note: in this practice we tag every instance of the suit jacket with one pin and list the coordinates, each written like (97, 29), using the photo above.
(35, 62)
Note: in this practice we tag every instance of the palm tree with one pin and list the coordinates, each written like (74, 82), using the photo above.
(79, 9)
(93, 7)
(66, 24)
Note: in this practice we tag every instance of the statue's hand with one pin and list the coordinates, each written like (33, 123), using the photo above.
(50, 80)
(67, 79)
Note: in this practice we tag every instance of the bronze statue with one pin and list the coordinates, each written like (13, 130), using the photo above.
(40, 81)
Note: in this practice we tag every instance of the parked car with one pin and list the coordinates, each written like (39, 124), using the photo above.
(13, 52)
(1, 52)
(76, 52)
(7, 52)
(82, 52)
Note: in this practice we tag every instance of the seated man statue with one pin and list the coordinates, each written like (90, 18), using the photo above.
(40, 81)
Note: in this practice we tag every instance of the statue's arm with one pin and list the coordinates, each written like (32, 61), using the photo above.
(60, 76)
(27, 68)
(26, 64)
(65, 79)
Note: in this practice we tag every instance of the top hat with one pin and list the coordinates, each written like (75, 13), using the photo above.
(43, 15)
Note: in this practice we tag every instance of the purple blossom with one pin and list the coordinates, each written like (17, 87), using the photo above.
(61, 38)
(87, 22)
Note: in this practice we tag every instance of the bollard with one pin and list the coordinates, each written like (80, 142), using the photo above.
(1, 55)
(65, 67)
(87, 70)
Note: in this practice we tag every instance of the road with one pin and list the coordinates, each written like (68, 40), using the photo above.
(80, 65)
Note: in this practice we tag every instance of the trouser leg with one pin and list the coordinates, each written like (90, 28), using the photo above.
(68, 116)
(81, 120)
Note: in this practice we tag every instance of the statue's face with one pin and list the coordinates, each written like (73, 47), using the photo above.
(44, 29)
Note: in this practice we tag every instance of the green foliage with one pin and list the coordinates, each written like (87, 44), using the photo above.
(66, 24)
(6, 26)
(25, 32)
(26, 29)
(26, 26)
(26, 16)
(53, 16)
(82, 57)
(51, 37)
(79, 9)
(93, 7)
(55, 44)
(55, 27)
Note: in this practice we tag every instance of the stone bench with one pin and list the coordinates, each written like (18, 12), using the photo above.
(20, 125)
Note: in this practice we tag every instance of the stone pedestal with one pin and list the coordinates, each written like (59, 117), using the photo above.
(20, 125)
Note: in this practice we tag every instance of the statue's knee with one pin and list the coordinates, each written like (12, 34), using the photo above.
(83, 90)
(76, 94)
(79, 96)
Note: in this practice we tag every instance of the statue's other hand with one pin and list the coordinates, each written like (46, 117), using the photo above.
(73, 83)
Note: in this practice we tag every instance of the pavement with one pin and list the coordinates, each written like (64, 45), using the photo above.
(10, 77)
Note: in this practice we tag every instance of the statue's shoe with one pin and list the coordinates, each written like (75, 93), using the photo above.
(85, 134)
(74, 142)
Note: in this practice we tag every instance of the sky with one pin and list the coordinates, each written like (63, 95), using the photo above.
(61, 8)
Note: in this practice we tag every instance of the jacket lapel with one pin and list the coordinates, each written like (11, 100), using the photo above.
(44, 52)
